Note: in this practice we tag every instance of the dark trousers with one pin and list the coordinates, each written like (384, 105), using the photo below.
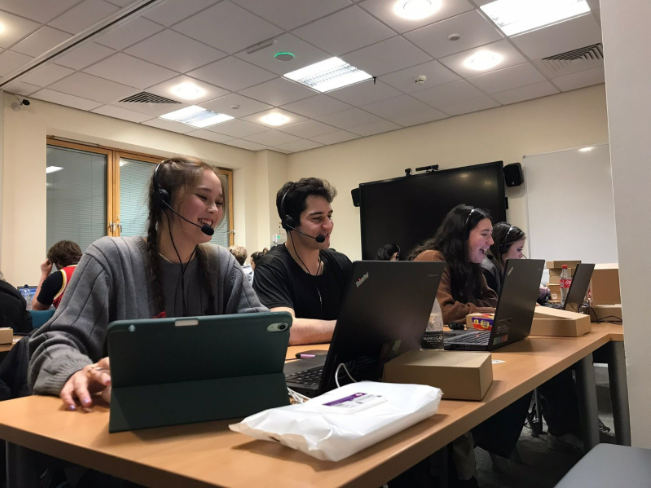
(560, 404)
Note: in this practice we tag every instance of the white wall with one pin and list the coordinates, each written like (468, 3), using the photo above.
(548, 124)
(627, 37)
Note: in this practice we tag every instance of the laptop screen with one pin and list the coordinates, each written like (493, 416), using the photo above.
(28, 293)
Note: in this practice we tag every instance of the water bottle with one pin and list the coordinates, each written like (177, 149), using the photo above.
(433, 338)
(565, 283)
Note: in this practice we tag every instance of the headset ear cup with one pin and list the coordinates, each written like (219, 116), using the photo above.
(289, 222)
(162, 197)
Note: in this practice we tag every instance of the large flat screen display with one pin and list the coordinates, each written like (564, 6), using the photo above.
(408, 210)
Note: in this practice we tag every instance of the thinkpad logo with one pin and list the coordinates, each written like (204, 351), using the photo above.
(361, 280)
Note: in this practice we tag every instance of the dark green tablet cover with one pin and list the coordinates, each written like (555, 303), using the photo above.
(194, 369)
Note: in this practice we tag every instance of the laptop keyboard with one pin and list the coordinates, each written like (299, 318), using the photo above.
(306, 377)
(478, 337)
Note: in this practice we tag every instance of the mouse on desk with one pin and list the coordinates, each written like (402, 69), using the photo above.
(457, 326)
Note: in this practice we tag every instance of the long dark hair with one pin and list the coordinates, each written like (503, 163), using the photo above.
(451, 239)
(179, 176)
(386, 252)
(504, 236)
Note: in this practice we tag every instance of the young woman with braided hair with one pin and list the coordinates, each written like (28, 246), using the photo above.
(173, 272)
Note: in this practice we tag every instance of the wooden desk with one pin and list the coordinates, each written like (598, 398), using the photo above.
(208, 454)
(7, 347)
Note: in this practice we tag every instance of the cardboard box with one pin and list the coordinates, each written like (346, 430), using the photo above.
(555, 292)
(6, 335)
(480, 321)
(605, 285)
(559, 323)
(461, 375)
(559, 264)
(608, 313)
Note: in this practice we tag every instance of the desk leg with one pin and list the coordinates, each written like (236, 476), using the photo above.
(22, 471)
(619, 392)
(587, 390)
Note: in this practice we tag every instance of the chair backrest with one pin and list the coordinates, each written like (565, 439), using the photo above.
(39, 317)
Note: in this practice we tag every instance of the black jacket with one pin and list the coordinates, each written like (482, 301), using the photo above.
(13, 309)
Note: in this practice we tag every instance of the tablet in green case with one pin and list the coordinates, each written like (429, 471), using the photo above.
(194, 369)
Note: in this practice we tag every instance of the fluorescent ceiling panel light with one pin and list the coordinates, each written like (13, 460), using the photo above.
(516, 16)
(196, 117)
(483, 60)
(188, 91)
(275, 119)
(416, 9)
(328, 75)
(2, 28)
(52, 169)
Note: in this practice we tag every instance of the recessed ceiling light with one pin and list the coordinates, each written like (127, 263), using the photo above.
(328, 75)
(416, 9)
(483, 60)
(188, 91)
(52, 169)
(586, 149)
(516, 16)
(284, 56)
(2, 28)
(196, 117)
(275, 119)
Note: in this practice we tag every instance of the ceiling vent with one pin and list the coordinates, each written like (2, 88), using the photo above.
(144, 97)
(577, 58)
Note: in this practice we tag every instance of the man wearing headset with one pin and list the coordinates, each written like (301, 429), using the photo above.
(304, 277)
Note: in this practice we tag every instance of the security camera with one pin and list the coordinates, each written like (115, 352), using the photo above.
(16, 106)
(419, 80)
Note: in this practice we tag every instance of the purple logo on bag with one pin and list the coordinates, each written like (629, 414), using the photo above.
(349, 398)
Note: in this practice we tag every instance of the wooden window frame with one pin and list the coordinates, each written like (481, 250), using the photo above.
(113, 156)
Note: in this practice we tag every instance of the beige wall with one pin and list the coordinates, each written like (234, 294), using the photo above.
(23, 186)
(507, 133)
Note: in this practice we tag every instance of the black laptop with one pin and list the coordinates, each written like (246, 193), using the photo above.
(579, 287)
(384, 313)
(514, 312)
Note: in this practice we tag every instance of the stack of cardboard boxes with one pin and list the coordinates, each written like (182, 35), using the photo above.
(555, 268)
(606, 299)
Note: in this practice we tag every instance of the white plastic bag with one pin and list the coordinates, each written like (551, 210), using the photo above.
(344, 421)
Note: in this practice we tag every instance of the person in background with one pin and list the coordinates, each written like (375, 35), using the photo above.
(389, 252)
(240, 256)
(304, 277)
(13, 308)
(64, 255)
(256, 256)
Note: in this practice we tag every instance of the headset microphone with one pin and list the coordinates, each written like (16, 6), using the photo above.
(320, 238)
(205, 228)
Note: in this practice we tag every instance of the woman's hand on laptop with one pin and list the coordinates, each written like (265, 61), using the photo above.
(93, 379)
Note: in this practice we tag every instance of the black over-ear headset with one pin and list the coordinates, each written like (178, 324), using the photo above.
(468, 221)
(289, 223)
(504, 244)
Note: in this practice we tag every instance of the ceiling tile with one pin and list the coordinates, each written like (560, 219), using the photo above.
(245, 106)
(165, 90)
(272, 138)
(510, 57)
(448, 93)
(251, 146)
(365, 93)
(83, 56)
(257, 118)
(20, 88)
(435, 72)
(374, 128)
(11, 61)
(93, 88)
(383, 9)
(580, 80)
(46, 74)
(122, 3)
(175, 51)
(335, 137)
(471, 105)
(289, 14)
(121, 113)
(317, 106)
(15, 28)
(344, 31)
(387, 56)
(526, 93)
(127, 34)
(559, 38)
(37, 10)
(170, 125)
(349, 118)
(228, 27)
(65, 99)
(278, 92)
(301, 145)
(237, 128)
(417, 118)
(84, 15)
(130, 71)
(396, 107)
(507, 78)
(473, 28)
(172, 11)
(41, 41)
(305, 55)
(308, 129)
(553, 69)
(210, 136)
(232, 73)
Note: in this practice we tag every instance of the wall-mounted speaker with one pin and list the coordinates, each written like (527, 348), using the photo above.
(355, 194)
(513, 174)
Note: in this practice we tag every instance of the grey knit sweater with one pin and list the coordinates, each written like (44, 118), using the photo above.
(111, 283)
